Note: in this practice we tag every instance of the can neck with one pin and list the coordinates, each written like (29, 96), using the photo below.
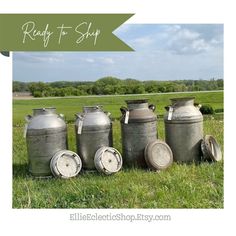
(44, 111)
(182, 101)
(137, 104)
(89, 109)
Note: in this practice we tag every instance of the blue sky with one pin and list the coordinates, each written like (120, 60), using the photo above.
(162, 52)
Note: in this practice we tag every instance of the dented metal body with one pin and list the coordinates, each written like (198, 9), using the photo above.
(184, 129)
(138, 128)
(93, 130)
(46, 134)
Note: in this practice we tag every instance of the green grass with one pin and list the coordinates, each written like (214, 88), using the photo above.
(70, 106)
(180, 186)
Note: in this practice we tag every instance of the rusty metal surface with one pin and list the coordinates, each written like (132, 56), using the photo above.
(137, 131)
(184, 130)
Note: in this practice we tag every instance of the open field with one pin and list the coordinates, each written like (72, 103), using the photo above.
(181, 186)
(70, 106)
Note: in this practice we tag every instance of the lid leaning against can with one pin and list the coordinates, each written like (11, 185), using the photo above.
(210, 149)
(108, 160)
(65, 164)
(158, 155)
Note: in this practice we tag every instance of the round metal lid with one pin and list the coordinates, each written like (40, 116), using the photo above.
(65, 164)
(108, 160)
(158, 155)
(210, 149)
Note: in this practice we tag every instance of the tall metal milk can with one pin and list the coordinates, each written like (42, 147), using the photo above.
(93, 130)
(138, 128)
(46, 134)
(184, 129)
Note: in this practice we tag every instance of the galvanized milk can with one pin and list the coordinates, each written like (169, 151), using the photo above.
(46, 134)
(184, 129)
(138, 128)
(93, 130)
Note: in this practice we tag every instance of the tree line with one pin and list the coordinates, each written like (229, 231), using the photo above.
(112, 85)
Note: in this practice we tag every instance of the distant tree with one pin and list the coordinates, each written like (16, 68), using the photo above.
(139, 89)
(105, 85)
(151, 86)
(16, 86)
(131, 85)
(37, 94)
(20, 86)
(113, 85)
(108, 81)
(82, 90)
(120, 89)
(48, 92)
(220, 83)
(161, 89)
(109, 89)
(37, 86)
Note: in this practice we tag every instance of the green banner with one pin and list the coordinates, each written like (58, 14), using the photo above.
(61, 32)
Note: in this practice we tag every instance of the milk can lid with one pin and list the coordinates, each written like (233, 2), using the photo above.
(65, 164)
(210, 149)
(158, 155)
(108, 160)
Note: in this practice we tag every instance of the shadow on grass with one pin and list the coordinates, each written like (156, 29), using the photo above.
(20, 170)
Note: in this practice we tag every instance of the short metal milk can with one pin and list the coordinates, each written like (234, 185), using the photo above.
(184, 129)
(138, 128)
(93, 130)
(46, 134)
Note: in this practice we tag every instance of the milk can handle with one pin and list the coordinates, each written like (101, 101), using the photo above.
(28, 118)
(152, 107)
(108, 114)
(123, 110)
(167, 108)
(198, 105)
(79, 116)
(62, 116)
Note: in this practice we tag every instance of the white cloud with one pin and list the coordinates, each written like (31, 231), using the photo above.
(143, 41)
(200, 45)
(185, 41)
(186, 35)
(107, 60)
(46, 59)
(90, 60)
(97, 60)
(177, 39)
(39, 57)
(172, 28)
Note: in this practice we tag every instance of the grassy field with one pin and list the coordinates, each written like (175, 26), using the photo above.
(181, 186)
(70, 106)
